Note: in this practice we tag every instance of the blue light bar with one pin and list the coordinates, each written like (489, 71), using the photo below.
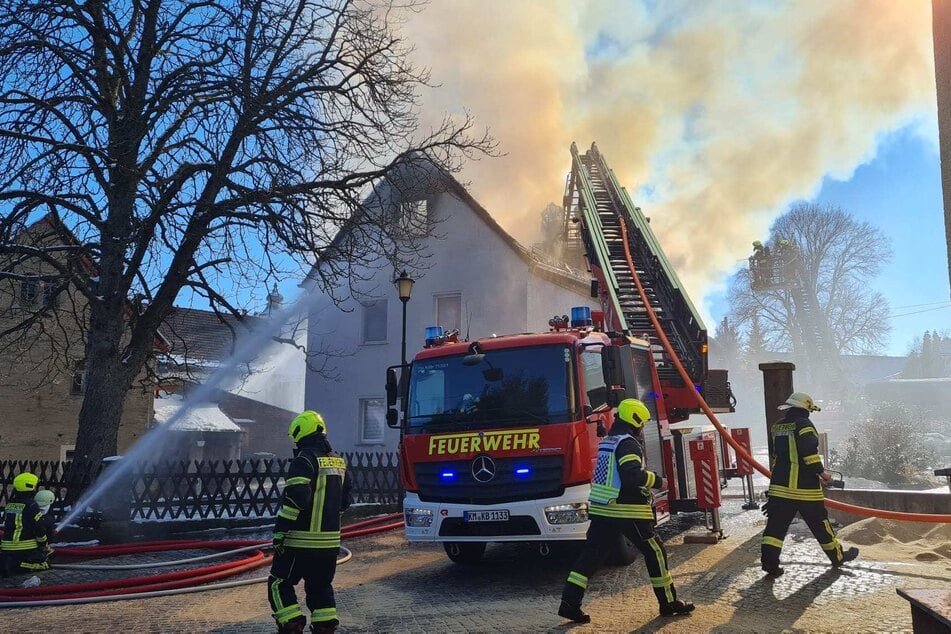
(433, 335)
(447, 475)
(523, 471)
(581, 316)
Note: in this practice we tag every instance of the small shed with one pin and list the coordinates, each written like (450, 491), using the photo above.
(203, 432)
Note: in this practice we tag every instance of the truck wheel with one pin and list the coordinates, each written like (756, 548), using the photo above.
(624, 552)
(465, 552)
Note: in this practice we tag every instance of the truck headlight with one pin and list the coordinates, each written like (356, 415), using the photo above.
(418, 518)
(567, 513)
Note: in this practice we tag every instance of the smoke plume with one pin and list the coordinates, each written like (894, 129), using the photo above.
(714, 115)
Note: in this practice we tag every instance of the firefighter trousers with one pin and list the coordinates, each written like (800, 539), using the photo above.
(602, 538)
(316, 567)
(782, 511)
(19, 562)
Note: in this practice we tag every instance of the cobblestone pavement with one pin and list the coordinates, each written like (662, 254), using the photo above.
(391, 586)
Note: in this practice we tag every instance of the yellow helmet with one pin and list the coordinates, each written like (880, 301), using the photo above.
(633, 412)
(25, 482)
(306, 423)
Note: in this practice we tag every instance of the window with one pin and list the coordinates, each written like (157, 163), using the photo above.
(374, 321)
(449, 311)
(67, 453)
(412, 218)
(79, 378)
(372, 417)
(50, 295)
(29, 290)
(594, 378)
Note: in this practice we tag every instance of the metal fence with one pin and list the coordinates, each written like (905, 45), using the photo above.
(201, 489)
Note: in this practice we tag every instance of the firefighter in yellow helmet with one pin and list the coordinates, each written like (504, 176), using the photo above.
(620, 503)
(24, 544)
(307, 529)
(796, 486)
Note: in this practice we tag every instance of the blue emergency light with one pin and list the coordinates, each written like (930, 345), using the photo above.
(448, 475)
(581, 316)
(522, 471)
(433, 334)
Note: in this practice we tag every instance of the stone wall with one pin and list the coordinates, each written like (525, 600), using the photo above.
(890, 500)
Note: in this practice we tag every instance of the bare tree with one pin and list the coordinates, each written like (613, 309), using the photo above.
(205, 145)
(824, 306)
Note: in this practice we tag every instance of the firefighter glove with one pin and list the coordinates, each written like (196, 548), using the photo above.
(278, 544)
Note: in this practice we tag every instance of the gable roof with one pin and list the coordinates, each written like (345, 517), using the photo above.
(438, 180)
(196, 335)
(59, 229)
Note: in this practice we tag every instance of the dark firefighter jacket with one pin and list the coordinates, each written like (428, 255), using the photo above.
(23, 526)
(621, 485)
(316, 490)
(796, 464)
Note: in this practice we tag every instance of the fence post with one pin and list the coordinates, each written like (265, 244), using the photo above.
(115, 501)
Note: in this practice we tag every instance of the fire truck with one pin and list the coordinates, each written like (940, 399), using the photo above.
(499, 435)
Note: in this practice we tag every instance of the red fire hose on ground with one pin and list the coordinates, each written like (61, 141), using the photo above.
(740, 451)
(173, 582)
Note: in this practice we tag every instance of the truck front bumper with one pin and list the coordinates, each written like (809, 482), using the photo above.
(549, 519)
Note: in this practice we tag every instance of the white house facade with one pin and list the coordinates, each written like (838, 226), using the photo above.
(474, 277)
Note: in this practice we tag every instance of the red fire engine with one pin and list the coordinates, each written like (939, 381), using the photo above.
(500, 435)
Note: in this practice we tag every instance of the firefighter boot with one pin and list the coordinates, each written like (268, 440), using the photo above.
(847, 556)
(294, 626)
(572, 613)
(326, 627)
(676, 608)
(772, 570)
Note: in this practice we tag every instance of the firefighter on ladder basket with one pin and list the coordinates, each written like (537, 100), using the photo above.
(796, 486)
(307, 529)
(620, 504)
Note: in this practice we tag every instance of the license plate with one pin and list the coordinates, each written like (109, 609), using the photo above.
(485, 516)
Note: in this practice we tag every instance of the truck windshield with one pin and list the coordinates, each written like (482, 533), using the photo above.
(511, 387)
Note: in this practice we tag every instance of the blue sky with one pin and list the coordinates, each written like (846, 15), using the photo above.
(898, 191)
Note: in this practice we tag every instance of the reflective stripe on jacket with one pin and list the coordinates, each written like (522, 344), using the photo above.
(316, 491)
(619, 488)
(796, 464)
(23, 527)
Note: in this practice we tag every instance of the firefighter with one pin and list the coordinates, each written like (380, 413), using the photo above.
(621, 504)
(307, 530)
(24, 545)
(796, 486)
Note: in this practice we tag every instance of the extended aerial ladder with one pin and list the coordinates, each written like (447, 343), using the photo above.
(777, 269)
(611, 228)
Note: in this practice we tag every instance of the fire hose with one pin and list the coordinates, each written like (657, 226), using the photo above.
(740, 450)
(172, 582)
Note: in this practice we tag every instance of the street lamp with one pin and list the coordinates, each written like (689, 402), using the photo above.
(404, 287)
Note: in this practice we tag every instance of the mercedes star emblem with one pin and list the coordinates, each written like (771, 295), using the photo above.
(483, 469)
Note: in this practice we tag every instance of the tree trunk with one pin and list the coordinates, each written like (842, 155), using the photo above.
(106, 385)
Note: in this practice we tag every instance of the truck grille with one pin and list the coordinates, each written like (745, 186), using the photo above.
(543, 480)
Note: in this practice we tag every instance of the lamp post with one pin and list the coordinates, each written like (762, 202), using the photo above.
(404, 287)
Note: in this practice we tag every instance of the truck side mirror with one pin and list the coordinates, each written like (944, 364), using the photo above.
(611, 366)
(392, 418)
(392, 387)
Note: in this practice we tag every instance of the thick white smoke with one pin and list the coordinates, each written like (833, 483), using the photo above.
(714, 115)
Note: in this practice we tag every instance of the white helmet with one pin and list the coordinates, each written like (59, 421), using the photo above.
(44, 499)
(802, 401)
